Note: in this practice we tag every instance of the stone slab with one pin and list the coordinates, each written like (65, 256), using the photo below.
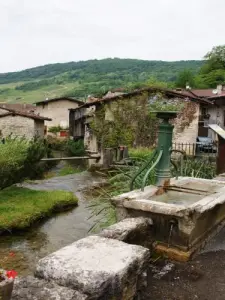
(129, 230)
(97, 267)
(31, 288)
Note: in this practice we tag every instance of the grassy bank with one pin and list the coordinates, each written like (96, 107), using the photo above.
(20, 207)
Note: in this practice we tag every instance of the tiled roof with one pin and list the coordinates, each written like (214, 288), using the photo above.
(168, 93)
(202, 93)
(22, 114)
(19, 106)
(59, 99)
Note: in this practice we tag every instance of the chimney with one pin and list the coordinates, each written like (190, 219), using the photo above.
(219, 89)
(89, 99)
(188, 86)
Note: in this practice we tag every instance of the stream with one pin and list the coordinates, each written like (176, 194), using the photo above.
(21, 251)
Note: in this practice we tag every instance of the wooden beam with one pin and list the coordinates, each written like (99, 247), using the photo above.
(71, 158)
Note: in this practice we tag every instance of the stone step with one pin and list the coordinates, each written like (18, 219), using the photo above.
(97, 267)
(31, 288)
(135, 231)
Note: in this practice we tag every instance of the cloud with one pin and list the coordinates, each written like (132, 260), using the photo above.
(47, 31)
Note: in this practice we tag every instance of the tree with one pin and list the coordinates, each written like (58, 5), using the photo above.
(212, 79)
(185, 77)
(217, 54)
(215, 60)
(212, 72)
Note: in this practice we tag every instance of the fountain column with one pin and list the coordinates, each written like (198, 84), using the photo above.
(165, 135)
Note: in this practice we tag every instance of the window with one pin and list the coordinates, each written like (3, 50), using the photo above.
(204, 111)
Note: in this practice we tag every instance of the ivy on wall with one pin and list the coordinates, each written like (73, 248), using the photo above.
(186, 116)
(132, 121)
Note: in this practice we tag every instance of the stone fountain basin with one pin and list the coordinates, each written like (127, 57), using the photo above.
(181, 219)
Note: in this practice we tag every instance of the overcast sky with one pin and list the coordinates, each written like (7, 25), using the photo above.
(38, 32)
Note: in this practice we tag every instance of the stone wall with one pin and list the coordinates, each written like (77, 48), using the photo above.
(39, 128)
(58, 111)
(17, 126)
(186, 126)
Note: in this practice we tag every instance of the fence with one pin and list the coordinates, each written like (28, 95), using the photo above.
(198, 149)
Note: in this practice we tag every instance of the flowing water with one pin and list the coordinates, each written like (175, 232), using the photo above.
(21, 251)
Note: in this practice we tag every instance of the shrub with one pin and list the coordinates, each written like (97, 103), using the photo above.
(67, 170)
(76, 148)
(140, 152)
(19, 159)
(54, 129)
(197, 167)
(56, 144)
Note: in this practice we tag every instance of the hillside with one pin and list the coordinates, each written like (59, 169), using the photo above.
(79, 79)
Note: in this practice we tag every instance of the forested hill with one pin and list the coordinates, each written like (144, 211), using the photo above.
(165, 71)
(79, 79)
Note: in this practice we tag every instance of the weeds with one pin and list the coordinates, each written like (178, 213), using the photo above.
(67, 170)
(19, 159)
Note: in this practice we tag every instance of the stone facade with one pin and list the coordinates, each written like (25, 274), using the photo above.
(186, 126)
(57, 110)
(216, 115)
(21, 126)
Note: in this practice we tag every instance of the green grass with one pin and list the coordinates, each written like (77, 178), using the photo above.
(140, 152)
(67, 170)
(21, 207)
(10, 95)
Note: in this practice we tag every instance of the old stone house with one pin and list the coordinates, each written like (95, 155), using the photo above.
(57, 110)
(21, 123)
(185, 125)
(210, 114)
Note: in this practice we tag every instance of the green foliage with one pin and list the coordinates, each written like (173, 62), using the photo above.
(94, 77)
(19, 159)
(132, 121)
(140, 153)
(67, 170)
(103, 211)
(211, 79)
(75, 148)
(185, 77)
(110, 68)
(198, 167)
(72, 148)
(54, 129)
(20, 207)
(57, 144)
(132, 124)
(212, 72)
(217, 54)
(33, 85)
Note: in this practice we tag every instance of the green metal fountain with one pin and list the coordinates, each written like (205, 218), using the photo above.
(161, 158)
(185, 211)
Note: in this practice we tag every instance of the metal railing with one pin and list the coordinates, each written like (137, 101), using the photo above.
(198, 149)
